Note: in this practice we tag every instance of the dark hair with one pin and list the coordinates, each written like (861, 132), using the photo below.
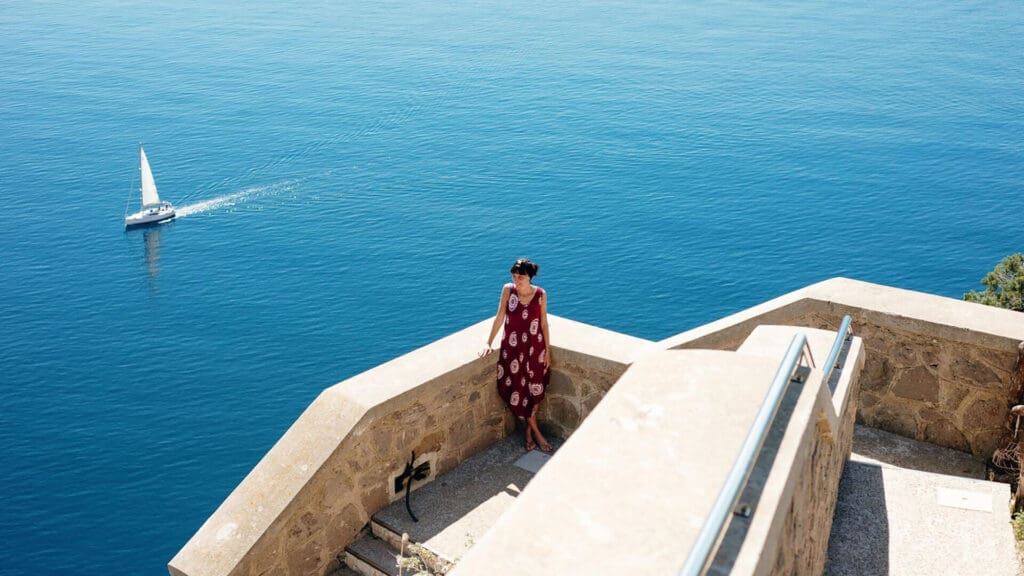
(524, 266)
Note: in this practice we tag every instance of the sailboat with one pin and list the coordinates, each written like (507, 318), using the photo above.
(152, 210)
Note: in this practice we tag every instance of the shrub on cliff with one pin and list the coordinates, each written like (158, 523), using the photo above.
(1004, 286)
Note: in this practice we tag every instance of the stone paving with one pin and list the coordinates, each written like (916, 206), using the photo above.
(907, 507)
(458, 508)
(455, 510)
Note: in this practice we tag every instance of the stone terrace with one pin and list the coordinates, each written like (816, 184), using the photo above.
(935, 370)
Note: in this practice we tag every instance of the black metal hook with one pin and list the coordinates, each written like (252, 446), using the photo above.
(408, 476)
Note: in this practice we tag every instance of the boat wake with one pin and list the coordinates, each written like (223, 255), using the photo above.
(228, 200)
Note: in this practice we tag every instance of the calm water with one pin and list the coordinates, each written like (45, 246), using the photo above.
(357, 177)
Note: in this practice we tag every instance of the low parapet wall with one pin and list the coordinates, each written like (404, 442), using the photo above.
(318, 486)
(937, 370)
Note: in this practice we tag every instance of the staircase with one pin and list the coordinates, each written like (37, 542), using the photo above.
(454, 511)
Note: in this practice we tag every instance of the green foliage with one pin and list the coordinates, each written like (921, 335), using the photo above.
(1004, 286)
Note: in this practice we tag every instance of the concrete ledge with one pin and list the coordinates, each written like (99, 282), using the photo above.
(628, 492)
(598, 343)
(945, 318)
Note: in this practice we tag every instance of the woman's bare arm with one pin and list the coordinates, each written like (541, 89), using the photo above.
(548, 360)
(499, 317)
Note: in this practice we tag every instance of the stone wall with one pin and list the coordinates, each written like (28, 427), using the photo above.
(947, 392)
(578, 382)
(803, 544)
(333, 469)
(938, 369)
(922, 382)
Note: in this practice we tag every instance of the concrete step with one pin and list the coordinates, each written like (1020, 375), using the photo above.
(456, 509)
(371, 556)
(908, 507)
(344, 571)
(773, 341)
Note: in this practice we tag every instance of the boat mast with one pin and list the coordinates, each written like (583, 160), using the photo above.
(128, 202)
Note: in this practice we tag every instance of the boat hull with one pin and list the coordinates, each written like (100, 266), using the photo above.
(151, 216)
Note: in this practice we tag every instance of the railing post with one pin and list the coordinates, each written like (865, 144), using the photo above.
(837, 346)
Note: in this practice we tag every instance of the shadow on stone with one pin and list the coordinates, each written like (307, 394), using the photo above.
(894, 450)
(834, 378)
(457, 508)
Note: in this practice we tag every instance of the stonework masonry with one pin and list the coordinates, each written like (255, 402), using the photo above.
(803, 545)
(938, 369)
(950, 393)
(577, 384)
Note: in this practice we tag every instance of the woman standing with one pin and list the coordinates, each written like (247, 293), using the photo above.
(525, 359)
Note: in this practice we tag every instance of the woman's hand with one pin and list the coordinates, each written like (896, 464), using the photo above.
(549, 362)
(485, 351)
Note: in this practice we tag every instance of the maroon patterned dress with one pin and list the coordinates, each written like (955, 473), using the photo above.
(522, 377)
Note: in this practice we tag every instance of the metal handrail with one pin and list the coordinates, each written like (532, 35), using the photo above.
(841, 335)
(711, 533)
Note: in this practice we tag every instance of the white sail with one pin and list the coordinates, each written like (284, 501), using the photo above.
(149, 195)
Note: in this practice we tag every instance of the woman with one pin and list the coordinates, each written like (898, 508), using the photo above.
(525, 359)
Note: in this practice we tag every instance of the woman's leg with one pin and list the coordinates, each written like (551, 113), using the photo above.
(530, 444)
(541, 441)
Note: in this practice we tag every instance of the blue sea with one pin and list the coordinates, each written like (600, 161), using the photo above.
(355, 179)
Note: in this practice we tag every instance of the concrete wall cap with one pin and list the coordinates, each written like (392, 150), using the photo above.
(884, 303)
(654, 443)
(938, 310)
